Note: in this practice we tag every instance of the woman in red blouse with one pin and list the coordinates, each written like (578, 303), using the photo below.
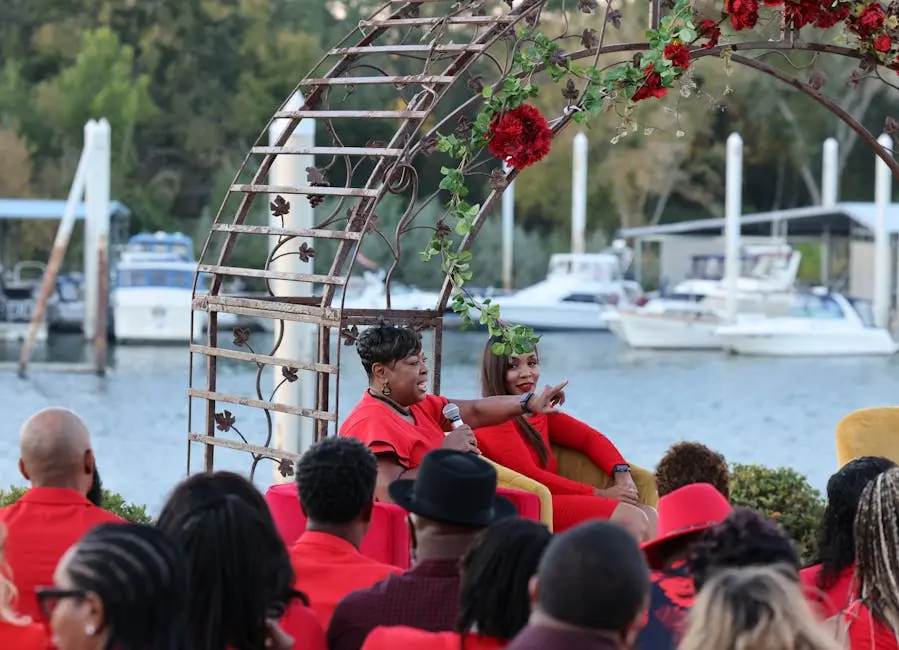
(523, 444)
(494, 603)
(16, 631)
(401, 422)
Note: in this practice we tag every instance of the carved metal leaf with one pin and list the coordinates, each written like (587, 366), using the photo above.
(614, 17)
(498, 179)
(587, 6)
(315, 177)
(285, 468)
(570, 91)
(817, 79)
(290, 374)
(350, 335)
(476, 85)
(224, 421)
(306, 252)
(442, 230)
(589, 39)
(279, 207)
(428, 145)
(241, 336)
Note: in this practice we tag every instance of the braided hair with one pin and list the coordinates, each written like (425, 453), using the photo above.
(386, 344)
(140, 576)
(240, 572)
(493, 383)
(877, 548)
(496, 571)
(836, 541)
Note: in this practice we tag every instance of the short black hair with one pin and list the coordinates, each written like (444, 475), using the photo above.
(386, 344)
(336, 480)
(95, 494)
(496, 571)
(745, 538)
(593, 576)
(140, 576)
(686, 463)
(240, 572)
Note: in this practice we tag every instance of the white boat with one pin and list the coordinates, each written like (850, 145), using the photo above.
(153, 290)
(579, 289)
(19, 289)
(821, 324)
(689, 317)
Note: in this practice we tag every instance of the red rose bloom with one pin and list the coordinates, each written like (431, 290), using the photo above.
(520, 137)
(652, 85)
(709, 29)
(830, 17)
(773, 3)
(744, 14)
(883, 43)
(800, 13)
(678, 54)
(870, 20)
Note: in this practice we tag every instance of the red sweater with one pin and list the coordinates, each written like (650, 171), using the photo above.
(505, 444)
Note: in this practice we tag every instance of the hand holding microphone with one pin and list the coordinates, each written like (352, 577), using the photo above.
(461, 438)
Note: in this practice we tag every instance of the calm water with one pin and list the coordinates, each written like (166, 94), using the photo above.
(772, 411)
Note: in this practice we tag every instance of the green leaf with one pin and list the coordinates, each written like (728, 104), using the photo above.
(487, 93)
(499, 349)
(687, 35)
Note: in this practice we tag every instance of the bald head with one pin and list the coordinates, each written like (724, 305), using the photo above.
(55, 450)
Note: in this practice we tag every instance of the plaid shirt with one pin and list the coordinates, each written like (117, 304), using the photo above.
(424, 597)
(538, 637)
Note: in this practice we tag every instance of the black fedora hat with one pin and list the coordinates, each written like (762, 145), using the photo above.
(453, 487)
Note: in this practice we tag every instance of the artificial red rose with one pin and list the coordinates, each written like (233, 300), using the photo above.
(652, 85)
(678, 54)
(833, 16)
(773, 3)
(708, 28)
(871, 19)
(520, 137)
(744, 14)
(883, 43)
(799, 13)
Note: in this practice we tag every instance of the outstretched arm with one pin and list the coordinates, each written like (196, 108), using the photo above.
(490, 411)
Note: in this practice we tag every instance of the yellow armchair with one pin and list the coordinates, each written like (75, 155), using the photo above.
(578, 467)
(512, 480)
(868, 432)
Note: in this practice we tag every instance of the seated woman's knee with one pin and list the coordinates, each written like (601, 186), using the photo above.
(633, 519)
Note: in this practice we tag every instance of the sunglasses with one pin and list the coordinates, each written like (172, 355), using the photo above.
(48, 598)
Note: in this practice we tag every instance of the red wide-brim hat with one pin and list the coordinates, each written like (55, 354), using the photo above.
(690, 509)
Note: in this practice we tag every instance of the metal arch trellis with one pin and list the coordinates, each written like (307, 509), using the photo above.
(447, 41)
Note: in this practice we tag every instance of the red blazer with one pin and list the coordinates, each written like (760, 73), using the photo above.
(23, 637)
(827, 603)
(303, 625)
(42, 525)
(327, 568)
(505, 444)
(384, 431)
(408, 638)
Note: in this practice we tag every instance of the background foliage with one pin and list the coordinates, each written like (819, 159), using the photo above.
(115, 503)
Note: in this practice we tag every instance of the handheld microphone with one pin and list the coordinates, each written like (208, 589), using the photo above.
(451, 412)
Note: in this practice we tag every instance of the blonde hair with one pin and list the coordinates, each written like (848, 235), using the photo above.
(8, 591)
(754, 608)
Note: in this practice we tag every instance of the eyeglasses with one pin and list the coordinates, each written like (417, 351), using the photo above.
(48, 598)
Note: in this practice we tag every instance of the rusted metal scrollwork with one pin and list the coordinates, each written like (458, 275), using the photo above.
(404, 60)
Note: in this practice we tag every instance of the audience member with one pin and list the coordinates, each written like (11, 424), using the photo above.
(16, 632)
(56, 458)
(524, 445)
(121, 586)
(829, 580)
(590, 592)
(240, 578)
(336, 480)
(684, 516)
(451, 500)
(872, 618)
(686, 463)
(745, 538)
(401, 422)
(754, 608)
(494, 604)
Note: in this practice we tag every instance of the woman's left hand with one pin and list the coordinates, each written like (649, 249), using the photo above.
(548, 399)
(624, 479)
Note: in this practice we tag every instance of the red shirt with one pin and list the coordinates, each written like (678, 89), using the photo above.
(328, 568)
(303, 625)
(866, 632)
(42, 525)
(830, 601)
(425, 597)
(23, 637)
(505, 444)
(409, 638)
(385, 431)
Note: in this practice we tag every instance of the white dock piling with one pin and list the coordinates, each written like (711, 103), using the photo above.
(830, 184)
(579, 194)
(96, 245)
(733, 207)
(883, 187)
(508, 229)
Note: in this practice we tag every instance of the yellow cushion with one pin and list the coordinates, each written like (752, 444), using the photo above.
(869, 432)
(578, 467)
(512, 480)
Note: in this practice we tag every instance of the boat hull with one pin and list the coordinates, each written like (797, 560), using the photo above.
(559, 317)
(155, 314)
(813, 339)
(668, 331)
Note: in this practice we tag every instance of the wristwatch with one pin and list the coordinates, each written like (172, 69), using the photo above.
(525, 398)
(621, 468)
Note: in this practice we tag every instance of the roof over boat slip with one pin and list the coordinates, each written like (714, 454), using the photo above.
(46, 209)
(842, 219)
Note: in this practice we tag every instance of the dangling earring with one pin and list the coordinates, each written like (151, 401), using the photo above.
(386, 392)
(90, 630)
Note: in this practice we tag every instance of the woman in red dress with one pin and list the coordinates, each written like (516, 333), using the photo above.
(523, 444)
(494, 603)
(16, 631)
(401, 422)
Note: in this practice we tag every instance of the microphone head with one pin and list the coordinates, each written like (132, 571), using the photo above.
(451, 412)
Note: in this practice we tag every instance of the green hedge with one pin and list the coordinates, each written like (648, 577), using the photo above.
(115, 503)
(783, 494)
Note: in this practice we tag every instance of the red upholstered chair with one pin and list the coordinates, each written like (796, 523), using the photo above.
(527, 503)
